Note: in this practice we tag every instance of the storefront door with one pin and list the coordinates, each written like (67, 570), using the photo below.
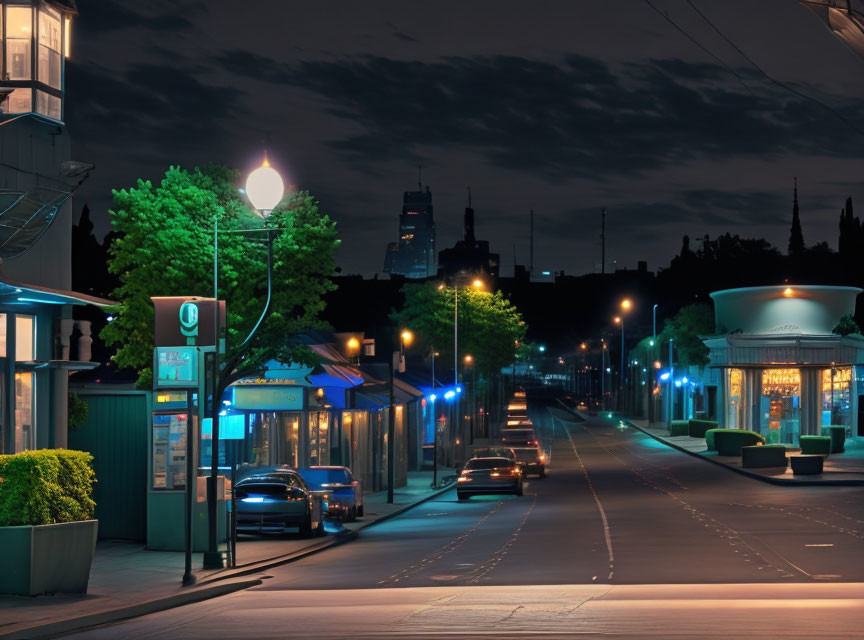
(780, 405)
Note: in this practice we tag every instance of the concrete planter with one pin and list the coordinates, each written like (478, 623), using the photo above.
(50, 558)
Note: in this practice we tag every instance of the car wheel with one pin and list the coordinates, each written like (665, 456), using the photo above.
(306, 527)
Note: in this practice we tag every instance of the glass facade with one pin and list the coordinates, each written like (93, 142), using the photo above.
(780, 405)
(25, 436)
(319, 438)
(837, 396)
(735, 407)
(33, 41)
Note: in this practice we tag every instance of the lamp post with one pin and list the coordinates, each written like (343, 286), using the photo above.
(603, 374)
(264, 188)
(405, 340)
(671, 386)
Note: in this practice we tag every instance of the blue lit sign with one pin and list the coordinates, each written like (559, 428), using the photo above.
(176, 367)
(230, 427)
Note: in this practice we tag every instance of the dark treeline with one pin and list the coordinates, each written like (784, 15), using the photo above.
(729, 261)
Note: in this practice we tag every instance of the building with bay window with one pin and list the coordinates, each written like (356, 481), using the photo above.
(40, 343)
(779, 367)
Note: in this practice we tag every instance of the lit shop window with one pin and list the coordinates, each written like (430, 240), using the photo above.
(781, 405)
(49, 48)
(836, 396)
(24, 436)
(19, 36)
(25, 344)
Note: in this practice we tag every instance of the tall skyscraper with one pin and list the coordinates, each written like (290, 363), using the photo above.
(414, 255)
(469, 257)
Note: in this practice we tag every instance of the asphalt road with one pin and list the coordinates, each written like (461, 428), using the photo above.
(617, 511)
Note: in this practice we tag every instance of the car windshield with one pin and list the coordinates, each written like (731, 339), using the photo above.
(492, 452)
(527, 454)
(261, 487)
(319, 477)
(488, 463)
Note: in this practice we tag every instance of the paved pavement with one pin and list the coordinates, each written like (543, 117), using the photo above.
(625, 536)
(128, 579)
(845, 468)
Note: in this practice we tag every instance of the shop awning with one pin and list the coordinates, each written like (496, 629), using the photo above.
(12, 292)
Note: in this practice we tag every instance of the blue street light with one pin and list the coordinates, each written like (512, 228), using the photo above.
(433, 398)
(450, 395)
(542, 348)
(664, 376)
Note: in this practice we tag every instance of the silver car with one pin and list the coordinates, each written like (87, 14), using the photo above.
(489, 475)
(273, 501)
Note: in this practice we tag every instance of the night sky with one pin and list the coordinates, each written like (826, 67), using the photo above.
(564, 107)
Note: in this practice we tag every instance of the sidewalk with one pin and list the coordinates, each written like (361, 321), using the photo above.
(127, 580)
(839, 468)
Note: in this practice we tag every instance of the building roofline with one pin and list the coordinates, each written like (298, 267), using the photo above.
(781, 287)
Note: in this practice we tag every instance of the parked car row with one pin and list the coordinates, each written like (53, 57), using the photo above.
(502, 469)
(273, 499)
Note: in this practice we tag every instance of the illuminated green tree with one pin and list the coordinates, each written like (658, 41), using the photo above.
(489, 326)
(164, 247)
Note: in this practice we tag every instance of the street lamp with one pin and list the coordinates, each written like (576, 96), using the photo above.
(406, 337)
(264, 188)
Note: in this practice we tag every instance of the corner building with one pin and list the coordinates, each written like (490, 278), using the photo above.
(779, 367)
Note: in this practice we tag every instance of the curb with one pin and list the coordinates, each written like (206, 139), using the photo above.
(407, 507)
(130, 611)
(782, 482)
(346, 535)
(219, 585)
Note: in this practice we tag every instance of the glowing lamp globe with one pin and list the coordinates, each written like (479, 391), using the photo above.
(265, 188)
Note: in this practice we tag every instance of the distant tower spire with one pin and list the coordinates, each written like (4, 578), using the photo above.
(470, 239)
(796, 236)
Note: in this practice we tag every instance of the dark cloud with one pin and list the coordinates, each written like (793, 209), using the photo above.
(573, 117)
(108, 15)
(154, 106)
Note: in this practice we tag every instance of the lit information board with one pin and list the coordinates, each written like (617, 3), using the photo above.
(169, 451)
(176, 367)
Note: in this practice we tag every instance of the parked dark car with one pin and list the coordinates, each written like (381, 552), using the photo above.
(489, 475)
(278, 499)
(345, 497)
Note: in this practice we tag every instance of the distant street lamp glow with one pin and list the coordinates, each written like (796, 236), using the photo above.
(407, 337)
(353, 343)
(477, 284)
(542, 348)
(626, 304)
(617, 319)
(469, 359)
(788, 292)
(265, 188)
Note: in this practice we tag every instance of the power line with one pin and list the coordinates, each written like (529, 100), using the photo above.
(780, 84)
(699, 44)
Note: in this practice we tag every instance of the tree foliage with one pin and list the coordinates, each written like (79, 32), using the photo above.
(489, 326)
(846, 326)
(164, 247)
(684, 329)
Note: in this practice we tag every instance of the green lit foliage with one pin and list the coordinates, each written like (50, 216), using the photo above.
(489, 326)
(165, 248)
(846, 327)
(45, 487)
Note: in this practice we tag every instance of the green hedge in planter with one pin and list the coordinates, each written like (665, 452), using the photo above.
(697, 428)
(728, 442)
(679, 428)
(45, 487)
(815, 444)
(837, 433)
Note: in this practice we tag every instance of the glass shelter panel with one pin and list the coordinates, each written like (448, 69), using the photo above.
(837, 396)
(781, 405)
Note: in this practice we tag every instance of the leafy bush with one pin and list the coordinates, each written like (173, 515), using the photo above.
(837, 433)
(697, 428)
(815, 444)
(728, 442)
(679, 428)
(79, 411)
(46, 486)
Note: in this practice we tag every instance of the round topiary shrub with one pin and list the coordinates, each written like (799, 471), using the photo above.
(728, 442)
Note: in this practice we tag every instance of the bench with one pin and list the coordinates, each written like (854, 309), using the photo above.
(755, 456)
(806, 465)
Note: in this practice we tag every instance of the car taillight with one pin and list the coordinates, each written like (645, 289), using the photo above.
(542, 457)
(463, 479)
(536, 443)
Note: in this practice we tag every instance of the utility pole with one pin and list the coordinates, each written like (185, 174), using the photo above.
(603, 243)
(531, 268)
